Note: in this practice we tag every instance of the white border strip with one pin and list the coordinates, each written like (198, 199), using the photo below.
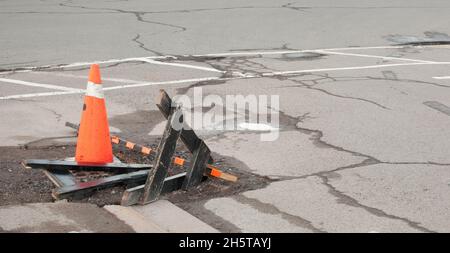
(94, 90)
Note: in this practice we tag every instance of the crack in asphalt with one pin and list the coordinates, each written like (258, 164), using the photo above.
(345, 199)
(184, 90)
(289, 6)
(246, 65)
(368, 7)
(57, 115)
(229, 66)
(141, 19)
(272, 209)
(366, 162)
(408, 81)
(295, 8)
(284, 6)
(241, 64)
(142, 45)
(384, 78)
(58, 68)
(137, 14)
(284, 47)
(316, 136)
(302, 84)
(53, 12)
(291, 123)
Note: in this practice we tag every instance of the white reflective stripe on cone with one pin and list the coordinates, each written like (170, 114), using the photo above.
(94, 90)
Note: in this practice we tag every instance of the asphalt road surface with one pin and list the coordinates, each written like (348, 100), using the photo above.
(363, 86)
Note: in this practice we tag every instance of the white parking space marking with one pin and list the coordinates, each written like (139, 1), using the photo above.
(75, 91)
(288, 51)
(78, 91)
(153, 60)
(351, 68)
(84, 64)
(182, 65)
(165, 82)
(441, 77)
(119, 80)
(40, 85)
(111, 61)
(371, 56)
(43, 94)
(228, 54)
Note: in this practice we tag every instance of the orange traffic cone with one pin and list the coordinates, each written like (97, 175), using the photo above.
(94, 143)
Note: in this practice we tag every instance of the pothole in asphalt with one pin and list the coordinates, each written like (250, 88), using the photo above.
(19, 185)
(301, 56)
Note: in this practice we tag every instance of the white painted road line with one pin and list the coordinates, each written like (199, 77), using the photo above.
(228, 54)
(371, 56)
(40, 85)
(119, 80)
(43, 94)
(441, 77)
(182, 65)
(194, 80)
(84, 64)
(111, 61)
(250, 53)
(351, 68)
(111, 88)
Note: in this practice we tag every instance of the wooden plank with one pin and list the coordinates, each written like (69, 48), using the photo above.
(72, 125)
(80, 190)
(62, 165)
(60, 178)
(133, 195)
(197, 166)
(163, 160)
(188, 136)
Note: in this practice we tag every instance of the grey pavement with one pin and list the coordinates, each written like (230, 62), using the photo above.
(64, 217)
(60, 217)
(364, 121)
(74, 31)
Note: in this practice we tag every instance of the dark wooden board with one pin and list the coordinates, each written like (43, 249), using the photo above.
(62, 165)
(188, 136)
(82, 189)
(197, 166)
(133, 195)
(163, 160)
(60, 178)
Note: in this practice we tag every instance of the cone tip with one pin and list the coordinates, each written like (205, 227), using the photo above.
(94, 74)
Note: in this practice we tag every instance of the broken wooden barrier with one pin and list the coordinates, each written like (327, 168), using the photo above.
(145, 183)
